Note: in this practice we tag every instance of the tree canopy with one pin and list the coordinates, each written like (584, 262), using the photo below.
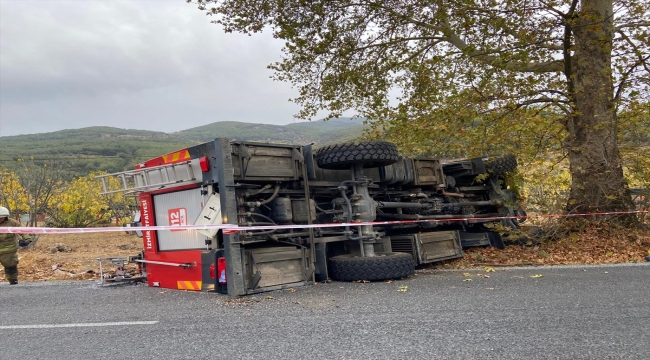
(547, 74)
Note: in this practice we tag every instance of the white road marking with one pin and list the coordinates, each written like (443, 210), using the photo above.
(50, 326)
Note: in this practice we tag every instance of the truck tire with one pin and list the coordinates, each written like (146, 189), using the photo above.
(499, 165)
(383, 266)
(368, 153)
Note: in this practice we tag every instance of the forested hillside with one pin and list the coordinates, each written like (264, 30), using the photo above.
(111, 149)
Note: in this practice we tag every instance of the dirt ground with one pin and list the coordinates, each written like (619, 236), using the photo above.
(44, 263)
(600, 244)
(597, 245)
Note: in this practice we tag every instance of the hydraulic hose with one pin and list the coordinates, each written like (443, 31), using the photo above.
(260, 203)
(267, 186)
(259, 215)
(275, 193)
(270, 222)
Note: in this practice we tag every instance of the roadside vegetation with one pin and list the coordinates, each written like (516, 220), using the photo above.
(46, 197)
(562, 85)
(553, 80)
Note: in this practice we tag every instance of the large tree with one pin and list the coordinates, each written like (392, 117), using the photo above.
(418, 68)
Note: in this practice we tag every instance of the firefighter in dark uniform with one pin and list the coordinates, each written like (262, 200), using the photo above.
(9, 247)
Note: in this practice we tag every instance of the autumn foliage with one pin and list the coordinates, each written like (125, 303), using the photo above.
(74, 203)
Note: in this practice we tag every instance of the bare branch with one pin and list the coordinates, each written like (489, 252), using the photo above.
(631, 25)
(397, 41)
(538, 68)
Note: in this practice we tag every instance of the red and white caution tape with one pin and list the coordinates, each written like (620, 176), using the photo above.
(233, 228)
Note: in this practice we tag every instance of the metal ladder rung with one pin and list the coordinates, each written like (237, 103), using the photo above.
(104, 186)
(141, 179)
(124, 182)
(166, 172)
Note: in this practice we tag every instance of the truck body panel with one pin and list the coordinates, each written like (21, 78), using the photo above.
(430, 210)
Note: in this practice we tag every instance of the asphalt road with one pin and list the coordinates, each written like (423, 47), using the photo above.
(598, 312)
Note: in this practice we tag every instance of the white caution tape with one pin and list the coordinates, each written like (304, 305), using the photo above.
(234, 228)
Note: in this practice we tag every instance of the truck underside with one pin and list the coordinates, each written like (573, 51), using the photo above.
(351, 211)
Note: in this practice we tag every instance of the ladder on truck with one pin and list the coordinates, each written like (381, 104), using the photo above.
(147, 178)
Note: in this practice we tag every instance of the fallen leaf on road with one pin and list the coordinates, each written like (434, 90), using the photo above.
(269, 298)
(483, 276)
(403, 288)
(537, 276)
(291, 290)
(467, 274)
(489, 269)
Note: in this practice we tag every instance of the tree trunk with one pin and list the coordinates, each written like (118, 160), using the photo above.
(597, 176)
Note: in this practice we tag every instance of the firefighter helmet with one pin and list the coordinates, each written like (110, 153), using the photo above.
(4, 212)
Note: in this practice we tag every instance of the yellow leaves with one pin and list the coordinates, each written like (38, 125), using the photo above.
(12, 193)
(546, 185)
(482, 276)
(403, 288)
(81, 204)
(489, 269)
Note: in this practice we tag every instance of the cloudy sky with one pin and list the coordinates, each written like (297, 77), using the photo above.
(136, 64)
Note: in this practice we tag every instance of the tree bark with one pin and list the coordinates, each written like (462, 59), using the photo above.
(597, 183)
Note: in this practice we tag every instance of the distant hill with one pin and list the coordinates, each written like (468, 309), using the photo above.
(298, 133)
(112, 149)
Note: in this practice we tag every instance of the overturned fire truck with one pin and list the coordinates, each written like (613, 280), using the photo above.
(347, 212)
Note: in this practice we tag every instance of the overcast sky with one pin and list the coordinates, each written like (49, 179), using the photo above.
(138, 64)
